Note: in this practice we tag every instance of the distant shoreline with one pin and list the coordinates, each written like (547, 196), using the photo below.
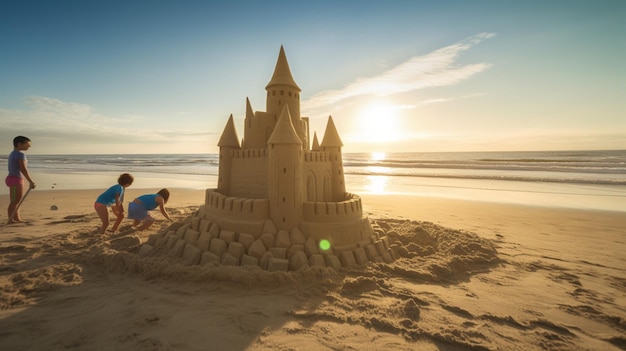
(587, 179)
(557, 195)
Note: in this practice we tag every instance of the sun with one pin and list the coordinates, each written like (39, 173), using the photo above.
(378, 123)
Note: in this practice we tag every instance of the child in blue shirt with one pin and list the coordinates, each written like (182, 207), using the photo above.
(113, 197)
(138, 209)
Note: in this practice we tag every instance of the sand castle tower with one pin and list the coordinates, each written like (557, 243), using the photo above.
(280, 202)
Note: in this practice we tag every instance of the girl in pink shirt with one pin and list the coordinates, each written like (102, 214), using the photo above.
(15, 180)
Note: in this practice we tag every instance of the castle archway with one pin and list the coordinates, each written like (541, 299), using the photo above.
(327, 187)
(311, 188)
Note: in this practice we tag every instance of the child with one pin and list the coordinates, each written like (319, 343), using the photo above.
(15, 180)
(138, 209)
(114, 197)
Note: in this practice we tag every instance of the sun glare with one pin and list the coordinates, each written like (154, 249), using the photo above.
(378, 123)
(378, 156)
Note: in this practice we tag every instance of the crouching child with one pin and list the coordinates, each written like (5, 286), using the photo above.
(139, 207)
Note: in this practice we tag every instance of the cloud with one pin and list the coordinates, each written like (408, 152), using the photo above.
(437, 68)
(50, 114)
(440, 100)
(73, 125)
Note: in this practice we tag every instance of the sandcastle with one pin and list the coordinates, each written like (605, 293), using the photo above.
(281, 201)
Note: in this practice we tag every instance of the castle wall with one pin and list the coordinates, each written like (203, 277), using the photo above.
(235, 213)
(225, 167)
(338, 187)
(333, 212)
(258, 129)
(249, 173)
(342, 223)
(285, 191)
(318, 173)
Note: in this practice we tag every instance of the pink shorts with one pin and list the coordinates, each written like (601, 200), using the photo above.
(14, 181)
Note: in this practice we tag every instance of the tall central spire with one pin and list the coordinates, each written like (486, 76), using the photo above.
(282, 73)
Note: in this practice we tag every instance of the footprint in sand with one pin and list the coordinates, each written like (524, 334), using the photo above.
(71, 219)
(19, 224)
(12, 248)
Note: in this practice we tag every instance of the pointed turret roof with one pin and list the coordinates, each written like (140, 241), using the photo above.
(282, 73)
(229, 135)
(284, 132)
(249, 111)
(316, 144)
(331, 137)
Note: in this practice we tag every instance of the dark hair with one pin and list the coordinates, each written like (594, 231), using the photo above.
(165, 194)
(125, 179)
(19, 140)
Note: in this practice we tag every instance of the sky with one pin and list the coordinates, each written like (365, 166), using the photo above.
(153, 76)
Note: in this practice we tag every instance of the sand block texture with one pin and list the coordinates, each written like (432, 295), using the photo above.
(199, 241)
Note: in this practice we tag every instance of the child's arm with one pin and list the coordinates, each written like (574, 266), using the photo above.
(24, 171)
(159, 200)
(118, 202)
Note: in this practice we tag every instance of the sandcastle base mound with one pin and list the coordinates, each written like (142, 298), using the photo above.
(200, 241)
(197, 242)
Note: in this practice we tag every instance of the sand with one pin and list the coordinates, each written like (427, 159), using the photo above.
(471, 276)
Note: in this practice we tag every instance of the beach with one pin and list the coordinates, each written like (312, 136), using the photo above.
(334, 176)
(472, 275)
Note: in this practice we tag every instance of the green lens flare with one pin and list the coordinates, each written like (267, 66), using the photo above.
(324, 244)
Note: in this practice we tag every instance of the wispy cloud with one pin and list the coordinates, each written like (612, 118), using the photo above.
(437, 68)
(62, 122)
(51, 113)
(440, 100)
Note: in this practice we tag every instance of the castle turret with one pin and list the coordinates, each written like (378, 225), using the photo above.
(332, 144)
(285, 163)
(316, 144)
(228, 142)
(248, 131)
(282, 90)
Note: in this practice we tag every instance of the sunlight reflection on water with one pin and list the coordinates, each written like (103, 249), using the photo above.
(378, 156)
(377, 184)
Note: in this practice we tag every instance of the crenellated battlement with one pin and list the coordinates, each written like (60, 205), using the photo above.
(236, 208)
(249, 153)
(330, 212)
(316, 156)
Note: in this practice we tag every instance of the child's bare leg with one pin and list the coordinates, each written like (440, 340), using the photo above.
(120, 216)
(15, 197)
(118, 220)
(146, 224)
(103, 212)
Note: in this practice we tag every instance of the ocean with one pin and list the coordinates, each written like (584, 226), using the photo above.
(588, 179)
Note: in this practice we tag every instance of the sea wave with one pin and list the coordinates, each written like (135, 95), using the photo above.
(582, 167)
(510, 177)
(608, 168)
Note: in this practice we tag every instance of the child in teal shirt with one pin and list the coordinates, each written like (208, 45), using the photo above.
(113, 197)
(138, 209)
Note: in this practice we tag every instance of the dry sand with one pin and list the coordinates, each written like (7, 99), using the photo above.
(472, 276)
